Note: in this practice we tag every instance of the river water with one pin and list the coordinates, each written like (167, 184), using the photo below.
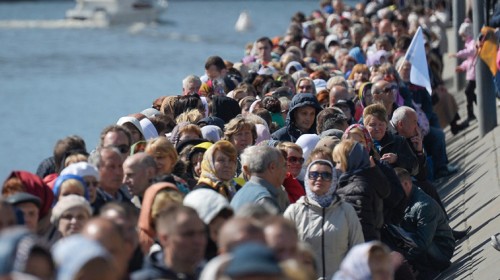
(57, 81)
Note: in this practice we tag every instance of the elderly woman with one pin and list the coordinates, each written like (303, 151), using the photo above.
(69, 184)
(371, 260)
(88, 173)
(241, 133)
(218, 169)
(165, 157)
(195, 158)
(395, 203)
(70, 214)
(363, 185)
(392, 148)
(323, 220)
(294, 163)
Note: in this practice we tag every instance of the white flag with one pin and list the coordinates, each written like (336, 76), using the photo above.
(419, 74)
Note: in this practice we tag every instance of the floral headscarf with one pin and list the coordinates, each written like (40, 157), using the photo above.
(208, 174)
(369, 145)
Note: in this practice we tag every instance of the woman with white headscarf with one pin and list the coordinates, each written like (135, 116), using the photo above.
(323, 220)
(367, 261)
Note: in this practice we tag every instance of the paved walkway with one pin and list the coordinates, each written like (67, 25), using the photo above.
(471, 196)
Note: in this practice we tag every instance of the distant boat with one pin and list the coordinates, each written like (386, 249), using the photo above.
(118, 11)
(243, 23)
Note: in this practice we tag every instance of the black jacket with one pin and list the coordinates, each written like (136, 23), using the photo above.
(395, 203)
(365, 191)
(290, 132)
(396, 144)
(154, 268)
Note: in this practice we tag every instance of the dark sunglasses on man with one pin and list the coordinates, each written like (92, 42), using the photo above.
(122, 148)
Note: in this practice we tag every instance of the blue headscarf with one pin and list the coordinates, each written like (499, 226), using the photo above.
(326, 199)
(61, 179)
(357, 54)
(357, 161)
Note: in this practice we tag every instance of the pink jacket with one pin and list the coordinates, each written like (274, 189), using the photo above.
(498, 58)
(469, 64)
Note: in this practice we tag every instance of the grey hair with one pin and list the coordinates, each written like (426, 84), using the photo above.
(191, 79)
(285, 103)
(95, 157)
(258, 158)
(357, 28)
(336, 81)
(400, 113)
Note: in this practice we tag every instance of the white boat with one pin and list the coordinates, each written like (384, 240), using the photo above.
(118, 11)
(244, 23)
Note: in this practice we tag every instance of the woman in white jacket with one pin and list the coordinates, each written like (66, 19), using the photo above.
(327, 223)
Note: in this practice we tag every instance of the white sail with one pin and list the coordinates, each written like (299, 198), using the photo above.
(243, 23)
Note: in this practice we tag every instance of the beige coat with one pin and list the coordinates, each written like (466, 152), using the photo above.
(331, 231)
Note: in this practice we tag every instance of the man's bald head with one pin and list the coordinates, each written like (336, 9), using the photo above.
(102, 230)
(238, 230)
(112, 237)
(385, 27)
(337, 93)
(142, 159)
(382, 93)
(138, 171)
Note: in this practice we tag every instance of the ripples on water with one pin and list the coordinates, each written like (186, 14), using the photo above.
(56, 81)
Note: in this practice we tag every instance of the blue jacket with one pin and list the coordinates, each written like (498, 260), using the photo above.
(257, 191)
(290, 132)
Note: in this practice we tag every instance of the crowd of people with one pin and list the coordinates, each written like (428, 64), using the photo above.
(314, 157)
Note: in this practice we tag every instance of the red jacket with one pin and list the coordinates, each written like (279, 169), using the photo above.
(293, 188)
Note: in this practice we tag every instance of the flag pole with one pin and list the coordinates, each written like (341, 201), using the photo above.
(486, 99)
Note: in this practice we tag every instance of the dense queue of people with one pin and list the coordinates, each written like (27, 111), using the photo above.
(314, 157)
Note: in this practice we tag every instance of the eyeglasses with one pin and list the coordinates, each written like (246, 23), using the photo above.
(384, 90)
(327, 176)
(122, 148)
(295, 160)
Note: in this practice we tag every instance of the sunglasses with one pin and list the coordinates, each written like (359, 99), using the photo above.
(305, 87)
(385, 90)
(326, 176)
(295, 160)
(122, 148)
(138, 147)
